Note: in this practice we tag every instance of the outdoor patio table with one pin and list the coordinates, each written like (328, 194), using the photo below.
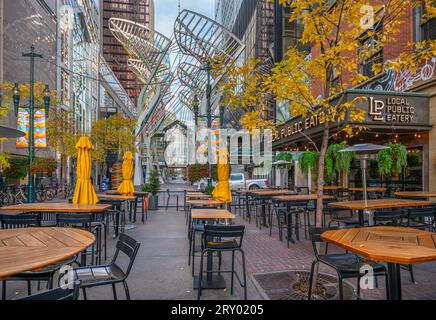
(191, 196)
(393, 245)
(212, 282)
(333, 188)
(372, 205)
(199, 203)
(55, 208)
(369, 189)
(300, 197)
(126, 200)
(418, 194)
(30, 249)
(264, 195)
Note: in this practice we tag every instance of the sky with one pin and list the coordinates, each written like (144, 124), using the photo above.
(167, 12)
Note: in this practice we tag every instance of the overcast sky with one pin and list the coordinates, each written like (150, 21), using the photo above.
(167, 11)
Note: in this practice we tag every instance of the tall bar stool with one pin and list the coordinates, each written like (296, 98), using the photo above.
(221, 239)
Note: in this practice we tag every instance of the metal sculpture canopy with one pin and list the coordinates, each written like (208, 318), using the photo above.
(140, 42)
(205, 39)
(173, 73)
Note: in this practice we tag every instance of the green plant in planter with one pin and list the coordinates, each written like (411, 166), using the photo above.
(392, 160)
(308, 161)
(153, 186)
(337, 161)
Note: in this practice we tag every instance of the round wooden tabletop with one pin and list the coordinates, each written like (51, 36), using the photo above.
(386, 244)
(31, 249)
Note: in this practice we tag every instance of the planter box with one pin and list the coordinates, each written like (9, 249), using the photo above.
(153, 202)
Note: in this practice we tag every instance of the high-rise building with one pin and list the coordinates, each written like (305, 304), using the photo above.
(140, 11)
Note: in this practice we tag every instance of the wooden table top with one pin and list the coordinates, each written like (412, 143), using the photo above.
(418, 194)
(116, 197)
(136, 193)
(378, 204)
(57, 207)
(272, 193)
(333, 188)
(204, 203)
(369, 189)
(212, 214)
(32, 249)
(301, 197)
(198, 196)
(386, 244)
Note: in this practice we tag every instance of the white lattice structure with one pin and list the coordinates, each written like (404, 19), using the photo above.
(141, 43)
(205, 39)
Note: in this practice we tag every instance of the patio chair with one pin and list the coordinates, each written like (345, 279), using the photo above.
(110, 274)
(59, 294)
(221, 239)
(46, 274)
(284, 217)
(346, 265)
(87, 222)
(345, 220)
(422, 218)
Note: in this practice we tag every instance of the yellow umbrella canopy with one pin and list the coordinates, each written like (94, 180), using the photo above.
(84, 192)
(222, 192)
(126, 186)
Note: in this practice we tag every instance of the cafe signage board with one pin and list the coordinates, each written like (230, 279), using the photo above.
(382, 109)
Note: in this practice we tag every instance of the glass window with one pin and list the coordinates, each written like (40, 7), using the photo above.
(369, 53)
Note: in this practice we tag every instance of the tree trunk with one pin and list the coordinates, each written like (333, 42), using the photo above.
(319, 202)
(321, 174)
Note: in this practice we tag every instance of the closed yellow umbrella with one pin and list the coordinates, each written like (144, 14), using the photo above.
(222, 192)
(84, 192)
(126, 186)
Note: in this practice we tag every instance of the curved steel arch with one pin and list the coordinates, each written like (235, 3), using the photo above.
(192, 76)
(140, 42)
(139, 68)
(204, 39)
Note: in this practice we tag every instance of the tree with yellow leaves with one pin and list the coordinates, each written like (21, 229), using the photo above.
(335, 32)
(242, 88)
(115, 135)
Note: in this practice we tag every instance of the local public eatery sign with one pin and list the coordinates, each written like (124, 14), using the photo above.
(382, 109)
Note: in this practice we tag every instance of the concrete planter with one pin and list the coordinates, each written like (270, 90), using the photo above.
(153, 202)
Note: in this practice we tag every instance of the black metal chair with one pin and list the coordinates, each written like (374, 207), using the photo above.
(222, 239)
(59, 294)
(110, 274)
(346, 265)
(422, 218)
(389, 218)
(45, 275)
(336, 216)
(84, 221)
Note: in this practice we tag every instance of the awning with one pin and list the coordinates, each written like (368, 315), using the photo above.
(384, 111)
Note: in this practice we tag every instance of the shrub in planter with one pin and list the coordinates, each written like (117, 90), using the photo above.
(152, 188)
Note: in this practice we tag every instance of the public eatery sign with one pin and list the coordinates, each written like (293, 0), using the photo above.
(383, 110)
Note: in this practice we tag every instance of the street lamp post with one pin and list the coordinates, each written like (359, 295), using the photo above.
(31, 107)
